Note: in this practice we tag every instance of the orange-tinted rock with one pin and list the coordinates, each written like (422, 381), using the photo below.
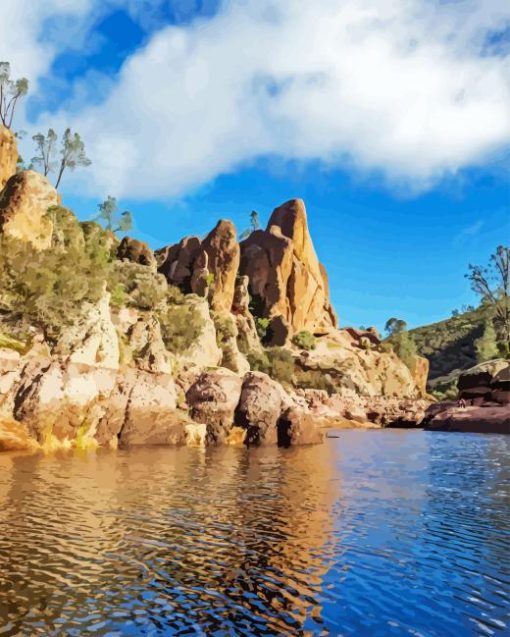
(136, 251)
(259, 408)
(176, 262)
(223, 253)
(24, 205)
(8, 155)
(286, 278)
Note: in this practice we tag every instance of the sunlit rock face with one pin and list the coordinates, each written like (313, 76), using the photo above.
(24, 205)
(8, 155)
(223, 251)
(286, 280)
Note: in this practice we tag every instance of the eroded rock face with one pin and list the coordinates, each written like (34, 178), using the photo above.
(176, 262)
(213, 399)
(204, 351)
(92, 340)
(147, 347)
(8, 155)
(286, 279)
(296, 427)
(224, 254)
(136, 251)
(24, 205)
(488, 381)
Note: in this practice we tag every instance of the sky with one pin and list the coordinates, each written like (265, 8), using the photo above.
(390, 118)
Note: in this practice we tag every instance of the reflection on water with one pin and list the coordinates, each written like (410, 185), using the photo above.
(373, 533)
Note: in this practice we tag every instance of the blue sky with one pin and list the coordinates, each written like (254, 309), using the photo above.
(405, 182)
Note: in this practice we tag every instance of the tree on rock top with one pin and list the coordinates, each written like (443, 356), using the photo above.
(11, 91)
(112, 219)
(72, 153)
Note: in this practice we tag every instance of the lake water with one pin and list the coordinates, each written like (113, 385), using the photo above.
(373, 533)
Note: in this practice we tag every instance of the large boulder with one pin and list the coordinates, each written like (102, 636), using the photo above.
(177, 261)
(136, 251)
(24, 205)
(223, 253)
(287, 282)
(151, 416)
(488, 381)
(259, 408)
(297, 427)
(8, 155)
(213, 399)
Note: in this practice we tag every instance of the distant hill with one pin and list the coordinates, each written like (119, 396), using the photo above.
(449, 345)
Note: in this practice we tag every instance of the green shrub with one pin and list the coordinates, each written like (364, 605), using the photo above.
(47, 288)
(386, 347)
(181, 326)
(137, 286)
(304, 340)
(259, 362)
(281, 364)
(225, 327)
(262, 325)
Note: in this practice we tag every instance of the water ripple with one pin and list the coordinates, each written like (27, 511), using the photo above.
(374, 533)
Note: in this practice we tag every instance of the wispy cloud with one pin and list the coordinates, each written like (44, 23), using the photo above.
(468, 234)
(402, 88)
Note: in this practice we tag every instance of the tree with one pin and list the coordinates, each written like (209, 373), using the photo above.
(11, 91)
(486, 346)
(395, 326)
(492, 284)
(112, 219)
(254, 223)
(72, 154)
(254, 220)
(405, 348)
(46, 147)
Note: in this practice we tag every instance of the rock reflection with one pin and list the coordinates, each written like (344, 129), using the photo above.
(165, 542)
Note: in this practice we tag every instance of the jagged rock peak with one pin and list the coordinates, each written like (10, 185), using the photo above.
(287, 282)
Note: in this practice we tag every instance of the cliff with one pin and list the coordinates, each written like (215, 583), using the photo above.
(103, 342)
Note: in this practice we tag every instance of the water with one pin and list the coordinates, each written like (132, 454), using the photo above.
(373, 533)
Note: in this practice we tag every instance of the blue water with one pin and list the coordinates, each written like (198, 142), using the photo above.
(373, 533)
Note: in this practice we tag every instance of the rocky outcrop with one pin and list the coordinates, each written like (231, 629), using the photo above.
(24, 205)
(136, 251)
(146, 346)
(92, 339)
(286, 280)
(223, 253)
(204, 351)
(177, 261)
(8, 155)
(483, 403)
(227, 339)
(259, 409)
(296, 427)
(213, 399)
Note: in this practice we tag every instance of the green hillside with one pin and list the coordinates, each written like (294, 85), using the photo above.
(449, 345)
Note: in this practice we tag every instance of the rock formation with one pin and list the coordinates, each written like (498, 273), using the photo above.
(136, 251)
(8, 155)
(24, 209)
(223, 251)
(287, 282)
(483, 401)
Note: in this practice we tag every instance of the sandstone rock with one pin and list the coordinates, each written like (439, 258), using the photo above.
(136, 251)
(420, 374)
(204, 351)
(247, 337)
(176, 262)
(479, 419)
(195, 435)
(147, 347)
(59, 400)
(484, 379)
(200, 276)
(24, 205)
(8, 155)
(213, 399)
(93, 339)
(226, 337)
(223, 253)
(259, 408)
(15, 437)
(298, 428)
(286, 279)
(151, 416)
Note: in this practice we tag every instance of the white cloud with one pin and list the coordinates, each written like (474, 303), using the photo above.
(399, 87)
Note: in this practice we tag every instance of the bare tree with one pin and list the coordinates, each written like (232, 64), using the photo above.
(492, 284)
(11, 91)
(46, 147)
(72, 154)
